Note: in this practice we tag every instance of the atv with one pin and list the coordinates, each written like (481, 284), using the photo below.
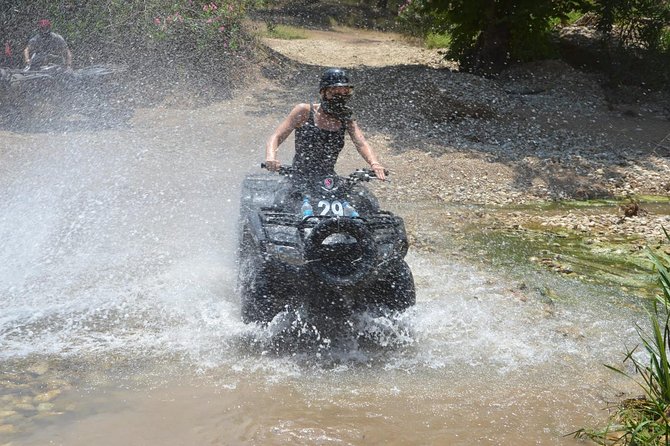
(52, 73)
(322, 244)
(52, 96)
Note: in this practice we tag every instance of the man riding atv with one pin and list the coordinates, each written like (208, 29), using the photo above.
(46, 48)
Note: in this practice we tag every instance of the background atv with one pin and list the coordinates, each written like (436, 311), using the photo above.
(53, 97)
(348, 255)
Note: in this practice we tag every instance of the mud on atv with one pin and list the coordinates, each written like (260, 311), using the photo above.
(347, 256)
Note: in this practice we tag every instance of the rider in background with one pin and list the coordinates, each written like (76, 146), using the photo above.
(46, 47)
(320, 130)
(7, 58)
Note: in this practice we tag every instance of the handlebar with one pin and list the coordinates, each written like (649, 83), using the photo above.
(357, 175)
(283, 170)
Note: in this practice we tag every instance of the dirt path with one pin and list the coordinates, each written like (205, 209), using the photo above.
(347, 47)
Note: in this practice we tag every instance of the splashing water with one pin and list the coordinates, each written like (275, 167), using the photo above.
(121, 244)
(116, 249)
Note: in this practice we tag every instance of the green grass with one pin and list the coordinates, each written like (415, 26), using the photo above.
(645, 421)
(285, 32)
(437, 40)
(665, 39)
(571, 18)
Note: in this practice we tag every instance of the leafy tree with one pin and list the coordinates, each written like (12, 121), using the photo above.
(636, 39)
(488, 34)
(635, 23)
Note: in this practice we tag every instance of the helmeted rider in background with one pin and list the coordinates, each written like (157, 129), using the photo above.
(320, 130)
(46, 48)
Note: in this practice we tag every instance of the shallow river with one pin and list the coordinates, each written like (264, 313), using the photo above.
(119, 323)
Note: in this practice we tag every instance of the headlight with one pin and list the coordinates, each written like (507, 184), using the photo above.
(281, 233)
(287, 254)
(339, 238)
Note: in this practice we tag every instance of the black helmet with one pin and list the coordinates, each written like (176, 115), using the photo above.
(334, 77)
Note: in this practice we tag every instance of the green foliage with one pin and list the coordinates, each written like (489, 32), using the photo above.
(635, 23)
(415, 18)
(437, 40)
(487, 34)
(188, 28)
(285, 32)
(645, 421)
(664, 44)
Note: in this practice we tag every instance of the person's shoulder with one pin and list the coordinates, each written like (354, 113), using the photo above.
(58, 37)
(301, 109)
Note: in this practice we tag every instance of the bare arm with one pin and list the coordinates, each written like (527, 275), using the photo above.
(26, 54)
(296, 118)
(67, 56)
(365, 150)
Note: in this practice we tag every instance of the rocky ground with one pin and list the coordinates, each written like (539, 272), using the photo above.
(540, 132)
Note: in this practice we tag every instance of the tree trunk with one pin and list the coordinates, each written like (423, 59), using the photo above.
(490, 53)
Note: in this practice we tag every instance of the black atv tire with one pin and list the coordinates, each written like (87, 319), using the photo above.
(396, 290)
(350, 227)
(259, 300)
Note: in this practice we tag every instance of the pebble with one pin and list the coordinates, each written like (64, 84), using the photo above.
(33, 395)
(39, 368)
(47, 396)
(44, 407)
(7, 429)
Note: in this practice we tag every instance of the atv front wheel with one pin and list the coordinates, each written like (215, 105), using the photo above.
(396, 290)
(259, 300)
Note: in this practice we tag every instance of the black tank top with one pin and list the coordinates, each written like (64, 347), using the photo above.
(316, 149)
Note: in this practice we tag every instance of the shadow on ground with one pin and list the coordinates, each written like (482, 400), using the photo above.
(550, 123)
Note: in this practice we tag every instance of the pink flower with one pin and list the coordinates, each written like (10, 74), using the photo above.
(222, 29)
(157, 20)
(209, 21)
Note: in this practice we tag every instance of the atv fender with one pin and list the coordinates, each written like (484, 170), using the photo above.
(254, 227)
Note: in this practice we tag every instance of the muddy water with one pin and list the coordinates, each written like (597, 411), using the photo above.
(119, 322)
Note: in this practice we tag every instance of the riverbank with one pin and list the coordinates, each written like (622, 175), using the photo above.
(496, 153)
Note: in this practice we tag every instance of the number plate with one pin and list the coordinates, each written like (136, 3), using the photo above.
(327, 208)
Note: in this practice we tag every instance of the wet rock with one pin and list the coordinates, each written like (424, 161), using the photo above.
(44, 407)
(616, 436)
(39, 368)
(47, 396)
(25, 407)
(7, 429)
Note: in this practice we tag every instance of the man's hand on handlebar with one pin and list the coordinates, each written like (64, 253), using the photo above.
(272, 165)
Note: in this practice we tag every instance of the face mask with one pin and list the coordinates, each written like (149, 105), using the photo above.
(337, 106)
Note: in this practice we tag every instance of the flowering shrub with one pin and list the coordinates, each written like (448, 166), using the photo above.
(415, 18)
(189, 28)
(209, 22)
